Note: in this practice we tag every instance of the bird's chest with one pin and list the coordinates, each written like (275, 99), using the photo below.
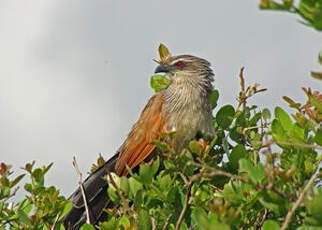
(189, 115)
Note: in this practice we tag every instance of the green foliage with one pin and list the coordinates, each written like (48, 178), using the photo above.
(158, 82)
(259, 172)
(42, 208)
(309, 10)
(237, 181)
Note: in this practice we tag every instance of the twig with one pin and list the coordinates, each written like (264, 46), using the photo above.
(126, 205)
(88, 217)
(214, 172)
(268, 143)
(216, 188)
(254, 127)
(12, 194)
(299, 200)
(56, 220)
(167, 222)
(153, 223)
(263, 219)
(242, 84)
(186, 205)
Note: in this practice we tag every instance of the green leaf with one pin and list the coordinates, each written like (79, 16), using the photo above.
(155, 166)
(271, 225)
(305, 227)
(161, 145)
(255, 173)
(274, 202)
(317, 75)
(23, 217)
(87, 227)
(203, 221)
(278, 132)
(68, 206)
(45, 170)
(318, 137)
(232, 194)
(135, 186)
(195, 147)
(173, 194)
(214, 98)
(292, 103)
(138, 199)
(158, 82)
(124, 185)
(272, 5)
(111, 224)
(316, 103)
(38, 177)
(315, 208)
(16, 180)
(236, 154)
(225, 116)
(144, 220)
(253, 121)
(146, 174)
(163, 52)
(283, 118)
(4, 191)
(125, 222)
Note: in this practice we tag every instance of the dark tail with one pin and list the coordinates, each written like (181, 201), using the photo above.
(96, 191)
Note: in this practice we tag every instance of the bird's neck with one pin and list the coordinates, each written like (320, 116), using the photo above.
(188, 92)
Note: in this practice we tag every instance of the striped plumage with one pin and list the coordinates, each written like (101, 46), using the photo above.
(184, 107)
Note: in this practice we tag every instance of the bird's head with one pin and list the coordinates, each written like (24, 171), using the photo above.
(186, 66)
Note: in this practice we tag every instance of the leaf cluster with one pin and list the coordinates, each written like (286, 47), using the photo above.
(42, 207)
(257, 169)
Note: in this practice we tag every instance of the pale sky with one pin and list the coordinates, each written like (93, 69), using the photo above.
(74, 75)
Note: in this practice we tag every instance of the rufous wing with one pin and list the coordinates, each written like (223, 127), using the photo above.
(139, 143)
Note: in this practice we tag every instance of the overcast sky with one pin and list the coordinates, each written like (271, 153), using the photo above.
(74, 75)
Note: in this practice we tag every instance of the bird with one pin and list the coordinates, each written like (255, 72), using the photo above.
(182, 107)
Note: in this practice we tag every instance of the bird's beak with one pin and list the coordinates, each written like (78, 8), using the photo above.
(162, 69)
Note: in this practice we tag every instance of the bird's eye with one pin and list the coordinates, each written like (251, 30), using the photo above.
(179, 64)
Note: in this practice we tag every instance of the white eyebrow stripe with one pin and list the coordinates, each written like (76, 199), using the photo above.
(181, 59)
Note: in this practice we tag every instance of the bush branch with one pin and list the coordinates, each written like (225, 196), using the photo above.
(88, 217)
(186, 205)
(120, 193)
(299, 200)
(307, 146)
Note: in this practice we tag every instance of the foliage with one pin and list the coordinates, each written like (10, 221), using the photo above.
(252, 175)
(261, 171)
(42, 207)
(310, 12)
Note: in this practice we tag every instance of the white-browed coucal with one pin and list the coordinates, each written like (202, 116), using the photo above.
(182, 107)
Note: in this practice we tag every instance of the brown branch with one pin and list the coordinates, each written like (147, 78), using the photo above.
(242, 85)
(186, 205)
(217, 172)
(120, 193)
(299, 200)
(270, 142)
(88, 217)
(56, 220)
(254, 127)
(154, 226)
(127, 207)
(167, 222)
(11, 195)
